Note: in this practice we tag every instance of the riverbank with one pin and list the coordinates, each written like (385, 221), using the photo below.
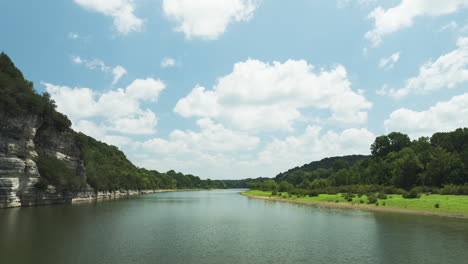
(391, 204)
(51, 197)
(95, 196)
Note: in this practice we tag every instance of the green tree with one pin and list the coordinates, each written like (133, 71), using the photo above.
(405, 168)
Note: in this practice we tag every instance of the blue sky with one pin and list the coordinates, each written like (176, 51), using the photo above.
(244, 88)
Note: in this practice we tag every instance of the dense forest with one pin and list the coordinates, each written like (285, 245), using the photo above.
(436, 164)
(107, 168)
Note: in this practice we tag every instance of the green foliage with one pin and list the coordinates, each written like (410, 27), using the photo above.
(381, 196)
(454, 190)
(42, 184)
(18, 97)
(413, 194)
(392, 142)
(57, 173)
(371, 199)
(397, 164)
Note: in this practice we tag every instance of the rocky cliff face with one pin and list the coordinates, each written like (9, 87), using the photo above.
(20, 137)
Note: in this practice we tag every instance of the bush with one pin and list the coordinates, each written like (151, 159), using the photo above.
(454, 190)
(42, 184)
(348, 196)
(413, 194)
(274, 192)
(437, 205)
(381, 196)
(312, 193)
(371, 199)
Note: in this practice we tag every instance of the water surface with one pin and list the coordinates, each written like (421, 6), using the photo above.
(224, 227)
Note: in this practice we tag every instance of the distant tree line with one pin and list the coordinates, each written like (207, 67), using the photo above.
(437, 164)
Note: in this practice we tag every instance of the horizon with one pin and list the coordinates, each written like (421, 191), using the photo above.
(222, 95)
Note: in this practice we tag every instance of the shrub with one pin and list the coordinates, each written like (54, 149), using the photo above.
(274, 192)
(371, 199)
(454, 190)
(413, 194)
(312, 193)
(42, 184)
(437, 205)
(381, 196)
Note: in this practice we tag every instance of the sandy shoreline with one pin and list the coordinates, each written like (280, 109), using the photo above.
(359, 207)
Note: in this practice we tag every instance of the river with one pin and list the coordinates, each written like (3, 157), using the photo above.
(222, 226)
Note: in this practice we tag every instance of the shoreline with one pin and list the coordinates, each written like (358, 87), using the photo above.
(87, 197)
(358, 207)
(98, 196)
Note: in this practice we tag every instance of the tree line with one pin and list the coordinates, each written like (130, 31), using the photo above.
(437, 164)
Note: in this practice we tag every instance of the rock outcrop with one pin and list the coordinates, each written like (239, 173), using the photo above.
(20, 138)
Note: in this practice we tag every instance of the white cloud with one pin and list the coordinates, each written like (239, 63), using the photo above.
(118, 110)
(76, 103)
(449, 26)
(140, 123)
(145, 89)
(212, 137)
(447, 71)
(207, 19)
(260, 96)
(389, 62)
(122, 11)
(315, 145)
(195, 153)
(442, 117)
(100, 133)
(118, 72)
(96, 64)
(73, 35)
(168, 62)
(403, 15)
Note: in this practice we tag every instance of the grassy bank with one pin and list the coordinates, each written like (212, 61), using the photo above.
(450, 205)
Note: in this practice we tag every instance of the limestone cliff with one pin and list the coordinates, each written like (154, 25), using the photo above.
(20, 137)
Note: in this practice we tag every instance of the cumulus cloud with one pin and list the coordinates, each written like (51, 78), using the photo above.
(260, 96)
(207, 19)
(212, 137)
(118, 110)
(196, 153)
(390, 20)
(122, 12)
(442, 117)
(447, 71)
(168, 62)
(314, 144)
(389, 62)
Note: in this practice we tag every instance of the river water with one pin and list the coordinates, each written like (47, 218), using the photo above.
(224, 227)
